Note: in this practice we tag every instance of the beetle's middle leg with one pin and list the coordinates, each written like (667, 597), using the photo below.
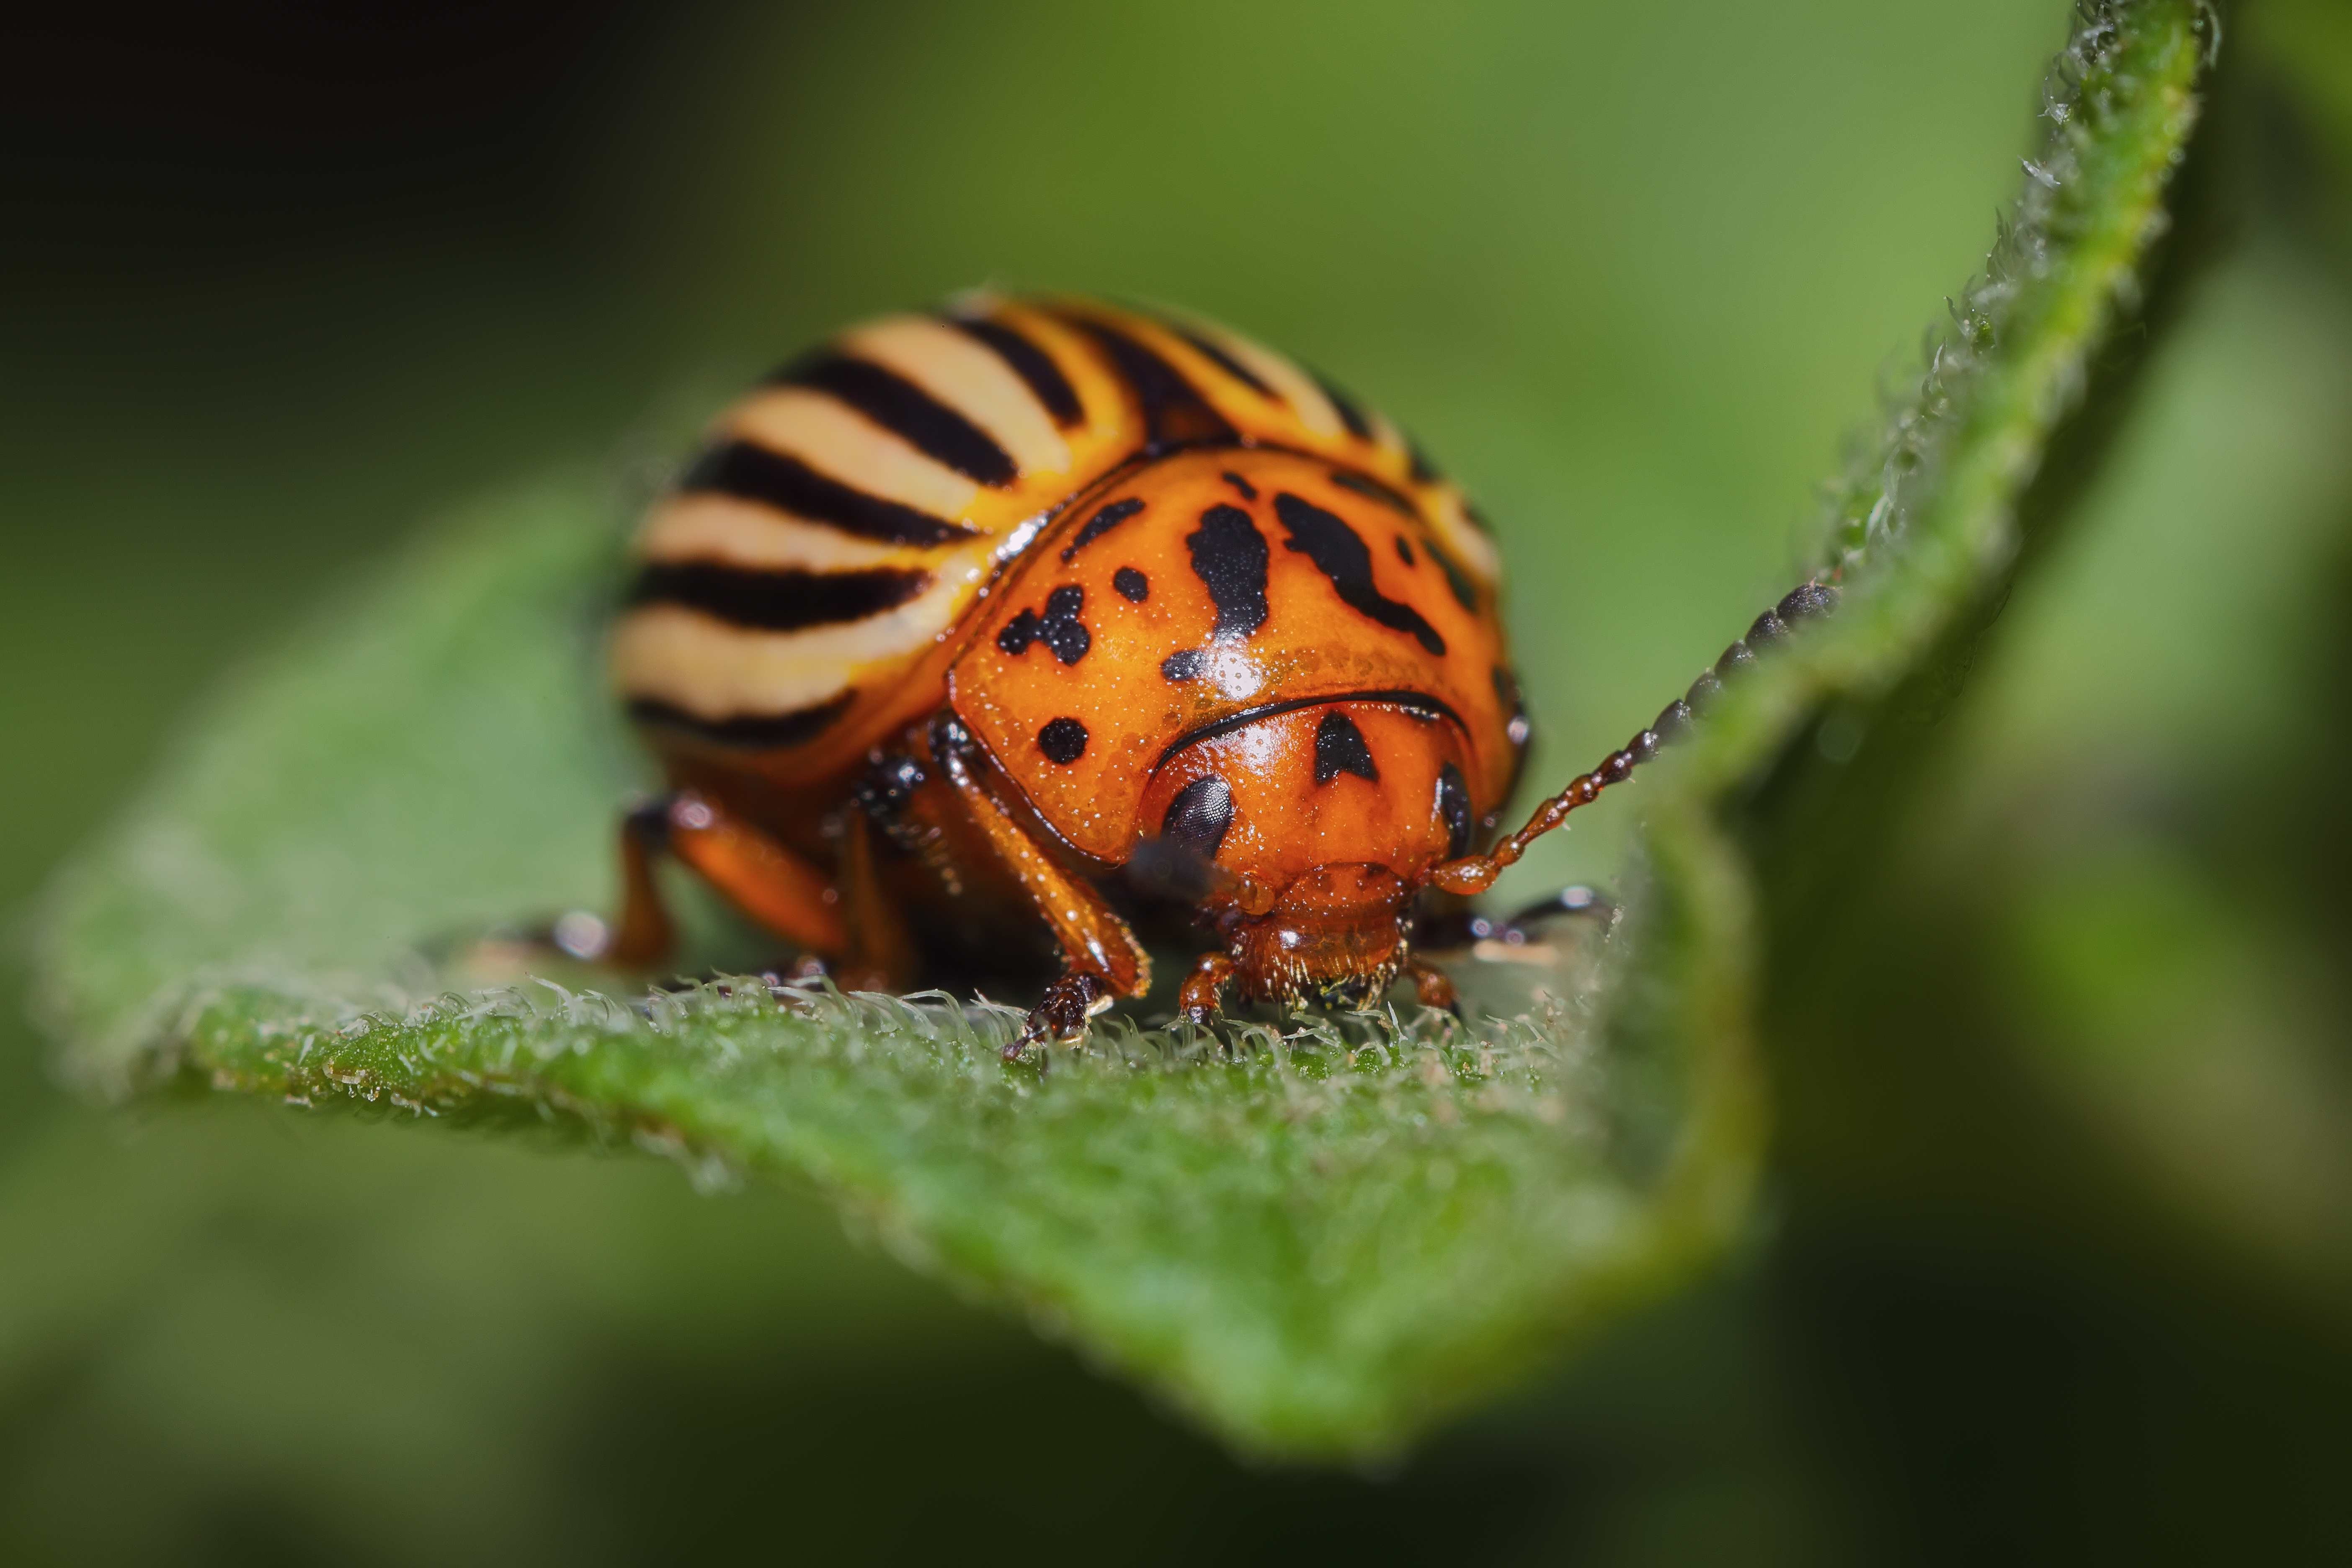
(775, 887)
(1101, 957)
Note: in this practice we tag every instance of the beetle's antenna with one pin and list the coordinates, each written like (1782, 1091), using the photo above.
(1476, 873)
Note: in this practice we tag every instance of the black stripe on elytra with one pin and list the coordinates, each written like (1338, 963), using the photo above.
(1457, 580)
(782, 601)
(1225, 361)
(1365, 485)
(1345, 406)
(1341, 554)
(907, 411)
(1030, 362)
(1174, 412)
(1423, 470)
(1420, 704)
(1230, 557)
(1249, 491)
(1339, 748)
(749, 732)
(752, 473)
(1102, 522)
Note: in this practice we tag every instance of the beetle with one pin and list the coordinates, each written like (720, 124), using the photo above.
(985, 608)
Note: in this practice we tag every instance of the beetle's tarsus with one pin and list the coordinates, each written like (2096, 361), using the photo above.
(1205, 988)
(1433, 986)
(1062, 1013)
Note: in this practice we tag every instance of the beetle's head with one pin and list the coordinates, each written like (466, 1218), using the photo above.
(1337, 935)
(1306, 835)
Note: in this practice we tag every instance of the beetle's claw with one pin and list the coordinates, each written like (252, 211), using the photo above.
(1061, 1014)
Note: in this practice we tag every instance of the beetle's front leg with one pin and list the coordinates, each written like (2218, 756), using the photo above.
(1205, 988)
(1103, 957)
(1062, 1013)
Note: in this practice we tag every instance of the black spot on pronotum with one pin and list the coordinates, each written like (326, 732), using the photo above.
(1184, 666)
(1230, 557)
(1420, 705)
(1058, 628)
(1030, 362)
(1339, 748)
(1063, 740)
(1200, 816)
(1102, 522)
(941, 433)
(1249, 491)
(780, 601)
(1404, 550)
(1341, 554)
(753, 473)
(1454, 809)
(1132, 585)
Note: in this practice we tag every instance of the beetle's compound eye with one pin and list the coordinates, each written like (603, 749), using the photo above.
(1200, 816)
(1453, 810)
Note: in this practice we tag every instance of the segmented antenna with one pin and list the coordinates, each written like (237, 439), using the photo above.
(1476, 873)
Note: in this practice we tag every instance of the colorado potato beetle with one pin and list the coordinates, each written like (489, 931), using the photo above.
(1014, 606)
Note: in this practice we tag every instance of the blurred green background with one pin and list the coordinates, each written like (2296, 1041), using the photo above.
(2058, 1253)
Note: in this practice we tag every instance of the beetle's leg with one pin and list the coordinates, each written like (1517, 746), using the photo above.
(777, 888)
(1104, 960)
(1476, 873)
(1205, 988)
(1431, 984)
(643, 935)
(879, 954)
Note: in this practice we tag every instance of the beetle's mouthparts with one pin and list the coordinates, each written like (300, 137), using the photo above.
(1338, 932)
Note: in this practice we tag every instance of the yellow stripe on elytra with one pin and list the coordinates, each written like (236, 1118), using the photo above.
(968, 377)
(1468, 542)
(701, 527)
(717, 671)
(844, 445)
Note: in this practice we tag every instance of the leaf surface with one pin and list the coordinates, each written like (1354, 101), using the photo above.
(1316, 1236)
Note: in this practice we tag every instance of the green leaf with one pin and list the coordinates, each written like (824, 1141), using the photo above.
(1316, 1235)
